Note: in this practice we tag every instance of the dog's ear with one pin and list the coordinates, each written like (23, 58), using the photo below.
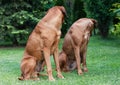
(63, 10)
(95, 22)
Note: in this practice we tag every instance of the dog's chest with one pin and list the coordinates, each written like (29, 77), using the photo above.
(86, 36)
(85, 41)
(55, 43)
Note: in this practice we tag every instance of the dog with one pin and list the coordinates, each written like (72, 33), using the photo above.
(74, 47)
(42, 43)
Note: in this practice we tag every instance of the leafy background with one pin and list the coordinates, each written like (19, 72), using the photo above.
(19, 17)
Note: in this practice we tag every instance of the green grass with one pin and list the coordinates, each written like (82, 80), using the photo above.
(103, 60)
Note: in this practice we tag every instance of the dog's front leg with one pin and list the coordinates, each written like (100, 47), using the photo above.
(78, 59)
(84, 60)
(55, 54)
(48, 63)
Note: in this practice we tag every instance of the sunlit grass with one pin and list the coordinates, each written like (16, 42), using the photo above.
(103, 61)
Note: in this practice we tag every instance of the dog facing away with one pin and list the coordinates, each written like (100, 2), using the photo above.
(42, 43)
(74, 47)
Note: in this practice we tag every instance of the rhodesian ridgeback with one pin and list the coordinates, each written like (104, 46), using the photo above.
(42, 43)
(74, 47)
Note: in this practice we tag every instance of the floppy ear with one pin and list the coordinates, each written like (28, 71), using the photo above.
(95, 22)
(63, 10)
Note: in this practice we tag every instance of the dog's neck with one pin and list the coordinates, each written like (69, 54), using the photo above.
(53, 19)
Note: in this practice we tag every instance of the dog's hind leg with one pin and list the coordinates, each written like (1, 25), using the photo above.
(27, 68)
(63, 62)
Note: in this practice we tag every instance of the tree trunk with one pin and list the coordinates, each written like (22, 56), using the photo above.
(14, 41)
(104, 30)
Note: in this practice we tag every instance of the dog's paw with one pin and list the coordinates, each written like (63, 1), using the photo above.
(51, 79)
(36, 79)
(85, 69)
(80, 72)
(60, 76)
(21, 78)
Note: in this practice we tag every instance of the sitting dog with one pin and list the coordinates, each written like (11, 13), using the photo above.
(42, 43)
(74, 47)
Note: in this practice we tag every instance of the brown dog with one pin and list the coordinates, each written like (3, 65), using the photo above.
(43, 42)
(75, 45)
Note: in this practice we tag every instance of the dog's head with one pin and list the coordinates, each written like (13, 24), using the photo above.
(56, 11)
(61, 8)
(64, 13)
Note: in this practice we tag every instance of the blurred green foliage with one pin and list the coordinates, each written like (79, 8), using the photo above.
(19, 17)
(100, 10)
(116, 10)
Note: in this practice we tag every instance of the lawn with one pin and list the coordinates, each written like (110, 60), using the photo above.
(103, 60)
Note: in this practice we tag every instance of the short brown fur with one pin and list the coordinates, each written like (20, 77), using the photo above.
(74, 47)
(42, 43)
